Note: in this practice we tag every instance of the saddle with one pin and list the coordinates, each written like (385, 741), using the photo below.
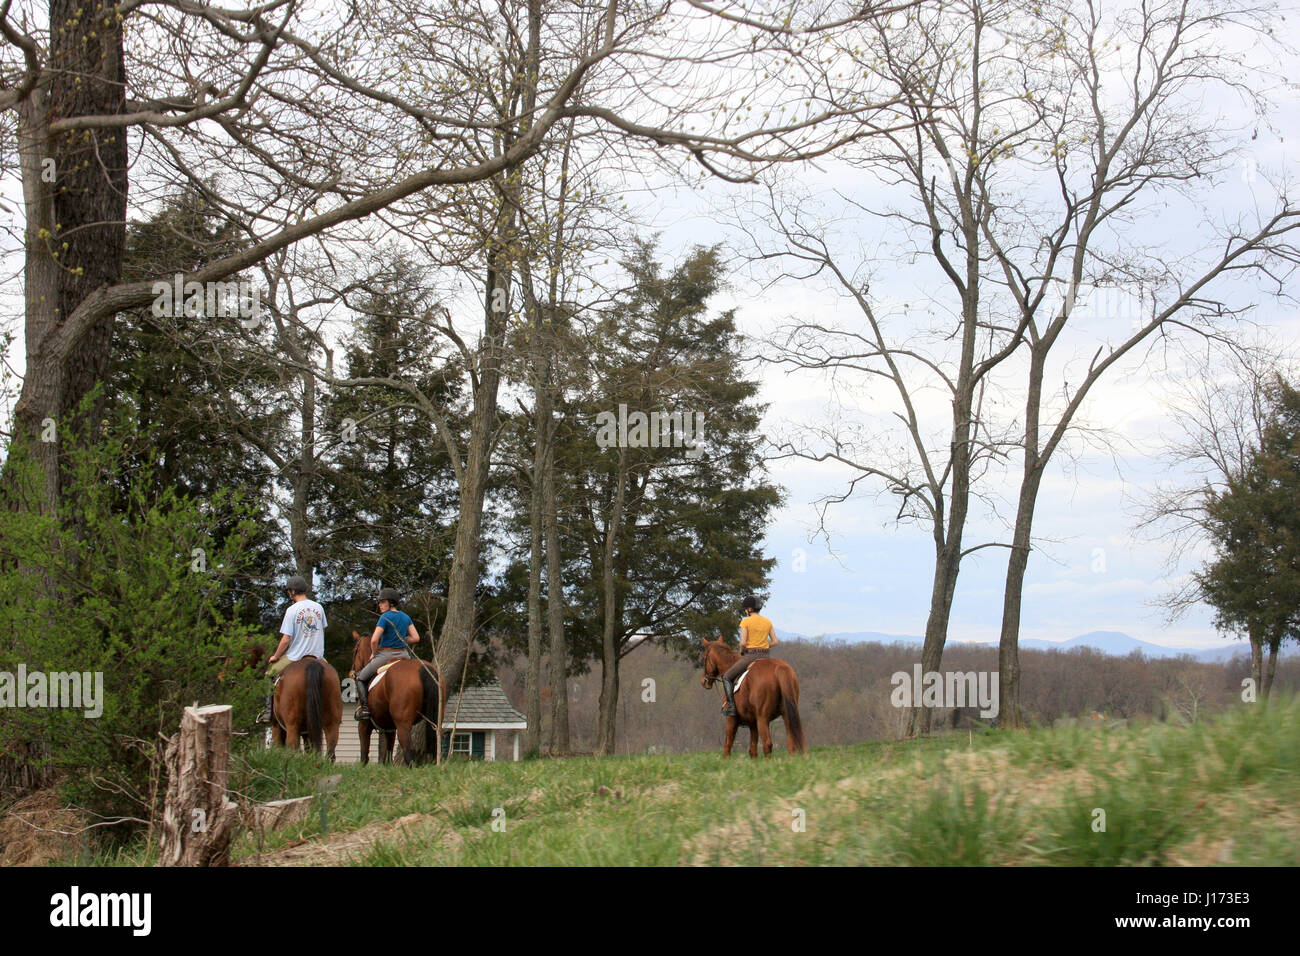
(379, 674)
(280, 676)
(740, 680)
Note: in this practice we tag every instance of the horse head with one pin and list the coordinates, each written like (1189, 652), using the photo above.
(714, 666)
(361, 652)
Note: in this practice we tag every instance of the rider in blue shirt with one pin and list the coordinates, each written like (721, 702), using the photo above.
(393, 632)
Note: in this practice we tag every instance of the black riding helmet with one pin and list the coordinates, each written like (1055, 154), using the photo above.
(297, 585)
(390, 595)
(752, 603)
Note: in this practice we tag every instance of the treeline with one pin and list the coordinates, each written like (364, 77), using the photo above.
(845, 693)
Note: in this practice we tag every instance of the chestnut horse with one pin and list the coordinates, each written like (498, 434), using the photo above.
(771, 690)
(408, 693)
(308, 703)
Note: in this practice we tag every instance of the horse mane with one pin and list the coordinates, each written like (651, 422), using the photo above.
(726, 651)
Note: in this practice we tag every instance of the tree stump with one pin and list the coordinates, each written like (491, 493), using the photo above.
(199, 820)
(281, 813)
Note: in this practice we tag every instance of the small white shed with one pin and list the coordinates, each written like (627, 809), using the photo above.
(486, 726)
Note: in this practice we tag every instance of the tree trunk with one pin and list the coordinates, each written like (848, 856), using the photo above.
(462, 590)
(76, 225)
(948, 542)
(533, 678)
(948, 535)
(199, 820)
(1256, 661)
(1271, 670)
(1009, 713)
(305, 472)
(41, 399)
(946, 566)
(559, 648)
(609, 651)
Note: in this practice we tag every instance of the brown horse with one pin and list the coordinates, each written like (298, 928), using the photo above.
(771, 690)
(308, 704)
(408, 693)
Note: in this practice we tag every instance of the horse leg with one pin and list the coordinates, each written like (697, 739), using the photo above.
(291, 734)
(753, 740)
(732, 724)
(404, 738)
(385, 746)
(766, 734)
(332, 741)
(363, 735)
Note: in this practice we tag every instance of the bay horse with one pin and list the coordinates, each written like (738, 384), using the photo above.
(409, 692)
(770, 690)
(308, 704)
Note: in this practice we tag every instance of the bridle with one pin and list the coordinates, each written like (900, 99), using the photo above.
(710, 679)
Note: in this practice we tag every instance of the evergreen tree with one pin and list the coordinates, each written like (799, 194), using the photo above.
(1254, 582)
(665, 520)
(196, 387)
(389, 499)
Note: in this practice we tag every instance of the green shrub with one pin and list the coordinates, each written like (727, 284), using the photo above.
(128, 582)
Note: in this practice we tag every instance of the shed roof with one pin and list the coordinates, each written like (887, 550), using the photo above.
(483, 704)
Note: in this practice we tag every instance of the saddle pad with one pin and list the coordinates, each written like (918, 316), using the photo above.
(735, 690)
(379, 674)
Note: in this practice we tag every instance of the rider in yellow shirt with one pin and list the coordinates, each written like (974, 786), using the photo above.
(756, 637)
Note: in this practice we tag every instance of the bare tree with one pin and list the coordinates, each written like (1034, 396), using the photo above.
(252, 104)
(1092, 158)
(932, 208)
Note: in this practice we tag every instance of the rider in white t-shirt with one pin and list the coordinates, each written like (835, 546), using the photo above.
(302, 634)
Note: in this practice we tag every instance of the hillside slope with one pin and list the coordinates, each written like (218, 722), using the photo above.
(1220, 792)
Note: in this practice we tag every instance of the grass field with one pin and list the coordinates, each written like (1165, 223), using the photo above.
(1224, 791)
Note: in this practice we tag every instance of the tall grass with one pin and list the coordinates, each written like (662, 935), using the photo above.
(1220, 791)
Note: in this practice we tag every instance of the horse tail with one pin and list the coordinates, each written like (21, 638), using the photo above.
(315, 705)
(430, 708)
(790, 708)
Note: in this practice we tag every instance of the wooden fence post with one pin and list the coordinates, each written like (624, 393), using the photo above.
(199, 819)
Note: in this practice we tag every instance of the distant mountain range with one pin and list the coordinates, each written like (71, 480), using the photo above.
(1108, 642)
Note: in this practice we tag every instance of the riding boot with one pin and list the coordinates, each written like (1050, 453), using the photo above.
(730, 709)
(265, 716)
(363, 710)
